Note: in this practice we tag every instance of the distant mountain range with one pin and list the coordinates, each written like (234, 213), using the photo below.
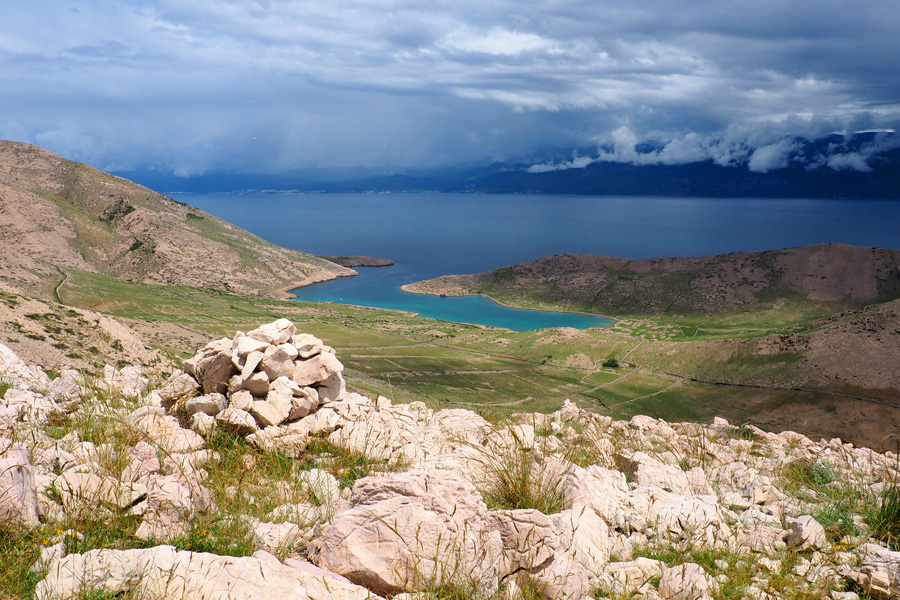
(806, 176)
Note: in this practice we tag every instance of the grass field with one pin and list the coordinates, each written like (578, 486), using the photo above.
(493, 371)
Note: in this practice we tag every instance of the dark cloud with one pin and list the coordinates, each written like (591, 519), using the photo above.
(207, 85)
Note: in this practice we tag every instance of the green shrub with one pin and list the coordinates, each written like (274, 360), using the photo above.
(612, 363)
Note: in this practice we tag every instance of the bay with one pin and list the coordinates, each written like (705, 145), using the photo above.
(427, 235)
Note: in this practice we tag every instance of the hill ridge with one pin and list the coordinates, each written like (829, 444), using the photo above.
(62, 214)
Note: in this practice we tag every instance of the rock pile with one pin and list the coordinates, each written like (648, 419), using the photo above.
(639, 508)
(263, 378)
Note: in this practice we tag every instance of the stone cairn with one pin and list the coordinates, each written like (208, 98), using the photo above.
(263, 378)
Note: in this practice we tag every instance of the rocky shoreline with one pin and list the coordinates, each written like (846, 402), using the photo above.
(359, 261)
(326, 493)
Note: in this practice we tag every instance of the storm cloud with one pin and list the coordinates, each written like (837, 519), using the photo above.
(268, 85)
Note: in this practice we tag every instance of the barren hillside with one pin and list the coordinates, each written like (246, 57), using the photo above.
(61, 214)
(835, 276)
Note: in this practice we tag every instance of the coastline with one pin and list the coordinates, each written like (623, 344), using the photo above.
(495, 301)
(285, 292)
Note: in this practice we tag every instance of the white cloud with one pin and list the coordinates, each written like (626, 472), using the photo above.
(182, 85)
(853, 161)
(497, 41)
(771, 157)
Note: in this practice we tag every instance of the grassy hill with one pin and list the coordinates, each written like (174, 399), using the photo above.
(61, 214)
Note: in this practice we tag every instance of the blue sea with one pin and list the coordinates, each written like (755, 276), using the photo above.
(427, 235)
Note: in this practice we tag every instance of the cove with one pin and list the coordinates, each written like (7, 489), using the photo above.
(380, 287)
(427, 235)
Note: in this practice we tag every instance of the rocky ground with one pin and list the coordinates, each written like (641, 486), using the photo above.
(253, 473)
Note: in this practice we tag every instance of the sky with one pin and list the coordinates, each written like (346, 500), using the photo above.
(194, 87)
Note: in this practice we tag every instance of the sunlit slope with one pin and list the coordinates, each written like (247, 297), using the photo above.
(58, 213)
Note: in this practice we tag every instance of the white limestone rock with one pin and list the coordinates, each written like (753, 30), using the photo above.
(164, 572)
(239, 421)
(173, 503)
(181, 385)
(404, 531)
(275, 333)
(687, 581)
(18, 493)
(806, 533)
(210, 404)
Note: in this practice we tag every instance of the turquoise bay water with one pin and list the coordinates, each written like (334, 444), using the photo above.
(427, 235)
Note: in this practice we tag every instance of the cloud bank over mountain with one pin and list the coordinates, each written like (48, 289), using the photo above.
(752, 151)
(272, 85)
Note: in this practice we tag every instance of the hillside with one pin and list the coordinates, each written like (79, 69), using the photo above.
(830, 277)
(58, 214)
(284, 484)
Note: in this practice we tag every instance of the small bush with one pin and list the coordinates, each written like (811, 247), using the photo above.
(3, 387)
(612, 363)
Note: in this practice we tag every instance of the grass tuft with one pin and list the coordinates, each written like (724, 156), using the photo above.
(518, 477)
(884, 519)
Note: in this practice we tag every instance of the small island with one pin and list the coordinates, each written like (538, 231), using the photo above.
(359, 261)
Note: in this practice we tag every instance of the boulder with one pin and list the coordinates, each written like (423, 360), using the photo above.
(213, 371)
(630, 577)
(236, 420)
(242, 400)
(180, 385)
(15, 371)
(144, 461)
(316, 369)
(129, 381)
(331, 389)
(249, 363)
(203, 424)
(244, 346)
(164, 572)
(280, 538)
(18, 495)
(806, 533)
(257, 384)
(604, 490)
(275, 333)
(411, 531)
(307, 345)
(166, 432)
(585, 535)
(82, 493)
(210, 404)
(879, 572)
(686, 581)
(647, 471)
(173, 503)
(278, 361)
(271, 413)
